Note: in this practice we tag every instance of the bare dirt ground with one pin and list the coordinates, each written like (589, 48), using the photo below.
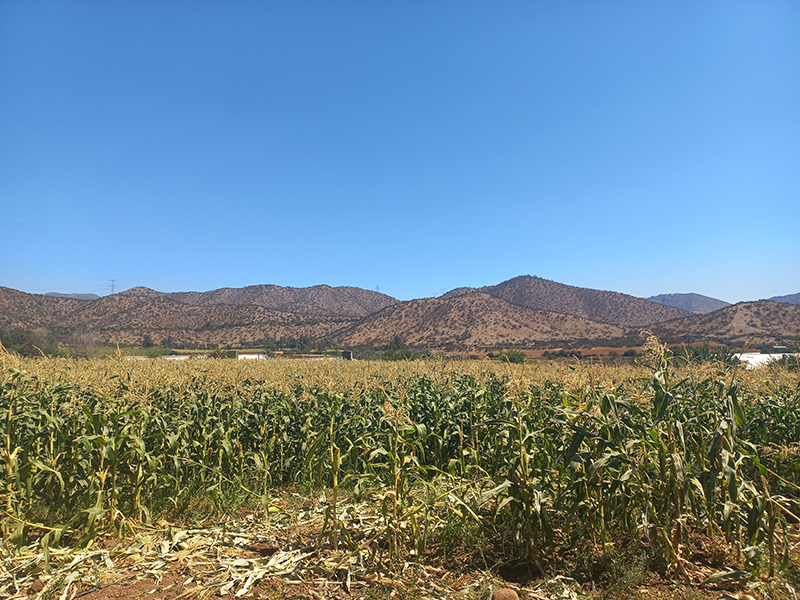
(281, 554)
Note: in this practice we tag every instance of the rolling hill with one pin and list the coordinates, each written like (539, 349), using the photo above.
(595, 305)
(126, 319)
(522, 312)
(473, 320)
(19, 310)
(315, 300)
(758, 322)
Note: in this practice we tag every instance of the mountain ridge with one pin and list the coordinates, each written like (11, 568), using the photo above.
(788, 299)
(474, 319)
(316, 300)
(744, 323)
(464, 317)
(126, 319)
(73, 296)
(600, 306)
(694, 303)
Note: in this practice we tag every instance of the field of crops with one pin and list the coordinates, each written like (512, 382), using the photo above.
(530, 462)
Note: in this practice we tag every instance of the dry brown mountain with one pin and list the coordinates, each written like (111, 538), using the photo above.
(473, 320)
(142, 292)
(126, 319)
(459, 291)
(19, 310)
(315, 300)
(759, 322)
(595, 305)
(468, 319)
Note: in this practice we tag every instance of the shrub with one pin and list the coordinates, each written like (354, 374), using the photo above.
(513, 356)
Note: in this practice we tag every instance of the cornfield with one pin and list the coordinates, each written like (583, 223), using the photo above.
(535, 457)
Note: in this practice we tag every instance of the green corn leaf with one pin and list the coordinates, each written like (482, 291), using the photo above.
(723, 576)
(492, 493)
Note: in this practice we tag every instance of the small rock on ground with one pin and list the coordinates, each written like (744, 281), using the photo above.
(505, 594)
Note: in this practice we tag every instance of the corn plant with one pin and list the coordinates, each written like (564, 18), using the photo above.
(532, 457)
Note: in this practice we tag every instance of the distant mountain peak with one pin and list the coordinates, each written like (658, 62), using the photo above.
(141, 292)
(472, 319)
(788, 299)
(694, 303)
(525, 311)
(763, 321)
(595, 305)
(73, 296)
(456, 292)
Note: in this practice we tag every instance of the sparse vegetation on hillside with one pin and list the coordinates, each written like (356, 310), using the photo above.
(472, 321)
(594, 305)
(121, 319)
(466, 322)
(745, 324)
(315, 300)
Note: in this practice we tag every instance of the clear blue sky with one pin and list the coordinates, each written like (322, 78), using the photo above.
(640, 147)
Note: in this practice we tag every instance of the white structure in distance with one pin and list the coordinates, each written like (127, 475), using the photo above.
(753, 360)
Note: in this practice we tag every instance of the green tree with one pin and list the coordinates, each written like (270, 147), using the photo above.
(405, 354)
(10, 338)
(147, 341)
(513, 356)
(397, 343)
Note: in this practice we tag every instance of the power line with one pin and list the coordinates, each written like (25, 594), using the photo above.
(113, 285)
